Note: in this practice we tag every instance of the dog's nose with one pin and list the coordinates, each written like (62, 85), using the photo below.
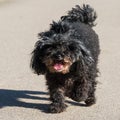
(58, 56)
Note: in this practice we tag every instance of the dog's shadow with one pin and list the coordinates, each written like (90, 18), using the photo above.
(14, 98)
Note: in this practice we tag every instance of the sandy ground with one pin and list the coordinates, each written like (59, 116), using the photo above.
(23, 95)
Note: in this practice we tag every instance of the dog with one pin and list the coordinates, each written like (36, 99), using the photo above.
(67, 54)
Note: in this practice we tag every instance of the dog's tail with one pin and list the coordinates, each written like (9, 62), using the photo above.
(84, 14)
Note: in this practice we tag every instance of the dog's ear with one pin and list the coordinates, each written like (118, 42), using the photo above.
(85, 55)
(36, 61)
(84, 59)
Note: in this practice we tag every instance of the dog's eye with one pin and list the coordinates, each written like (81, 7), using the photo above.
(48, 53)
(46, 47)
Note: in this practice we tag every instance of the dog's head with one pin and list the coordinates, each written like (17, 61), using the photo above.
(58, 54)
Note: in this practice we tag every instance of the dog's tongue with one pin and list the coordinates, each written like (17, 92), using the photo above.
(58, 66)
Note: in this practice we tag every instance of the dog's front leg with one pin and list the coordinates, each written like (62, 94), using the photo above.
(80, 90)
(58, 101)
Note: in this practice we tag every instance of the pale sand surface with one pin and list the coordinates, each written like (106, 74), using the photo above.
(23, 95)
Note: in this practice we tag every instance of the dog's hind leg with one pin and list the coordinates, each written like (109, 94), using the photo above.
(91, 95)
(92, 86)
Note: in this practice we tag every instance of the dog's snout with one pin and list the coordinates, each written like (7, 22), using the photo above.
(58, 56)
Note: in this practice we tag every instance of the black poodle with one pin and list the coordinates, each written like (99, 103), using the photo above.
(67, 54)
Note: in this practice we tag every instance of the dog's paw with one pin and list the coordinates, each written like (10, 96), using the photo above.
(57, 107)
(90, 101)
(78, 97)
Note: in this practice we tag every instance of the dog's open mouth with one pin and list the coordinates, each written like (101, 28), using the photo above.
(59, 65)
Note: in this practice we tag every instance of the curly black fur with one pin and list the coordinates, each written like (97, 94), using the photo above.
(73, 43)
(86, 15)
